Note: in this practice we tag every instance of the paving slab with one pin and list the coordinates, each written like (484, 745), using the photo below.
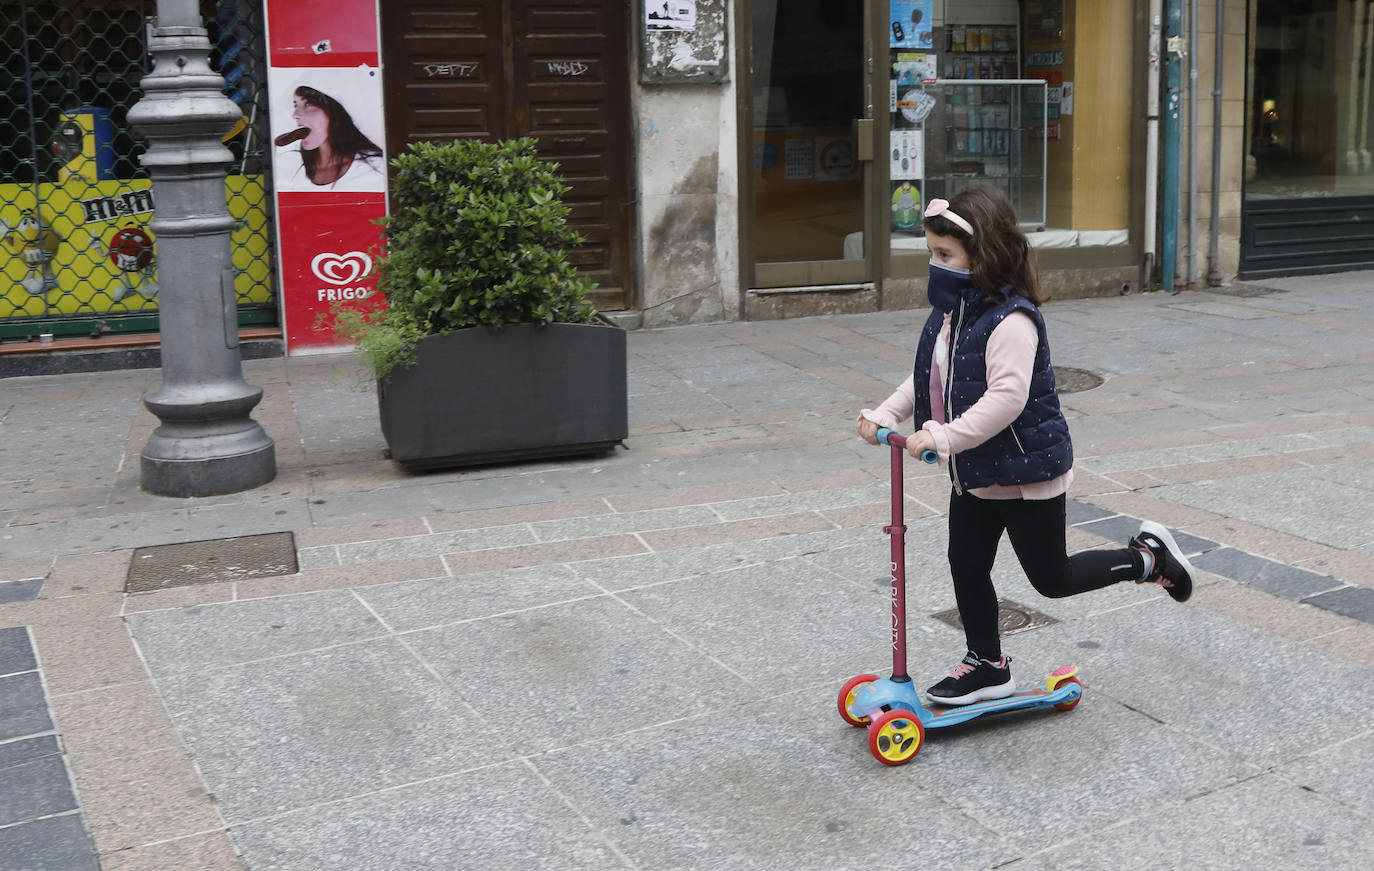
(27, 750)
(1264, 574)
(322, 726)
(784, 784)
(21, 590)
(1290, 501)
(1165, 660)
(1264, 822)
(500, 816)
(16, 651)
(23, 706)
(35, 789)
(410, 605)
(52, 844)
(1339, 773)
(217, 635)
(1355, 602)
(774, 623)
(583, 669)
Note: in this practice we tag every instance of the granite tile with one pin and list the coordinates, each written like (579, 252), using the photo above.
(1264, 822)
(53, 844)
(412, 605)
(16, 651)
(1354, 602)
(28, 750)
(35, 789)
(110, 723)
(139, 799)
(23, 706)
(411, 828)
(20, 591)
(271, 737)
(212, 636)
(1263, 574)
(544, 554)
(566, 661)
(199, 852)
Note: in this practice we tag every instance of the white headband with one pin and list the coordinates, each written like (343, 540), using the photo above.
(940, 208)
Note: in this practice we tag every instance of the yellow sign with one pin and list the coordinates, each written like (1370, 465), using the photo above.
(84, 247)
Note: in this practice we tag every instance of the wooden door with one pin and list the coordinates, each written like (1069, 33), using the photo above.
(557, 70)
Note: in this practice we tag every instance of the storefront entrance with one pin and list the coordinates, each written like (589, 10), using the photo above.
(557, 70)
(861, 113)
(1309, 177)
(812, 101)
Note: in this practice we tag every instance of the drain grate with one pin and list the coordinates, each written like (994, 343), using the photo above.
(1011, 618)
(1070, 380)
(210, 562)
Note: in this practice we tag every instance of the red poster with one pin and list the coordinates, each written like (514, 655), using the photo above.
(328, 162)
(328, 251)
(312, 33)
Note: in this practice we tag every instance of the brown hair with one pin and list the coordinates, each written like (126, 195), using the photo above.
(998, 252)
(345, 139)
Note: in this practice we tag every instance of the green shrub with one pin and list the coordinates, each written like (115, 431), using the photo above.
(476, 237)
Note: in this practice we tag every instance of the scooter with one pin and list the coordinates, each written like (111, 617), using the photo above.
(890, 707)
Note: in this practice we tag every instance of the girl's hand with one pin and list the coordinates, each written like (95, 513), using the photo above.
(920, 440)
(868, 430)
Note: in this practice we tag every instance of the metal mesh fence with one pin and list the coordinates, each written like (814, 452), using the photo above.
(77, 255)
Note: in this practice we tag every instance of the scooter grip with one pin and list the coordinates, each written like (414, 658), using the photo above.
(890, 437)
(886, 436)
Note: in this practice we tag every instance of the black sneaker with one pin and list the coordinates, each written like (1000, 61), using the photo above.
(974, 680)
(1172, 570)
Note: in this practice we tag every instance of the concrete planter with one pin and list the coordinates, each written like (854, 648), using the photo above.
(524, 392)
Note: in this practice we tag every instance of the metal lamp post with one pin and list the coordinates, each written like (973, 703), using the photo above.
(207, 443)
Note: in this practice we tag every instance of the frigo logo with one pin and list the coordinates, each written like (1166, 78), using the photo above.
(342, 272)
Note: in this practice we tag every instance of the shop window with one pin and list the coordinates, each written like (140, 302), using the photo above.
(1031, 97)
(808, 82)
(1309, 100)
(77, 253)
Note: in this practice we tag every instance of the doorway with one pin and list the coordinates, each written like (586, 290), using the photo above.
(557, 70)
(808, 193)
(1309, 177)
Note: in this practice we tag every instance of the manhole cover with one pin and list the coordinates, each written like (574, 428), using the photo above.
(1070, 380)
(1011, 618)
(209, 562)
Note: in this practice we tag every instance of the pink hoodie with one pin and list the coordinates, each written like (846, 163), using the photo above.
(1010, 359)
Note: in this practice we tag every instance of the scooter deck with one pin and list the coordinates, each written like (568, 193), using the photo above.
(941, 715)
(886, 694)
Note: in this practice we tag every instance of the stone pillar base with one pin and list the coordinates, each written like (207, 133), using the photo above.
(218, 469)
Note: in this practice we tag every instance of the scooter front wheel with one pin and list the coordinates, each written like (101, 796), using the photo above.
(847, 693)
(894, 737)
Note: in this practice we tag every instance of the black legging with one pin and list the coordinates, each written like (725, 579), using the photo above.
(1036, 529)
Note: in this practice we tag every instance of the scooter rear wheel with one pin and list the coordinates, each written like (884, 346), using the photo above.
(1069, 706)
(894, 737)
(847, 693)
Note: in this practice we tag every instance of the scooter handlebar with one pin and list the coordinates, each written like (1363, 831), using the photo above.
(893, 438)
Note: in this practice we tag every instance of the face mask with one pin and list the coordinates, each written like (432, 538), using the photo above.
(946, 285)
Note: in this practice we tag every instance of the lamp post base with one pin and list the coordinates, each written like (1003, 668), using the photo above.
(226, 463)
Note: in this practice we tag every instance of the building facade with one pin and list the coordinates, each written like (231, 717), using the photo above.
(742, 159)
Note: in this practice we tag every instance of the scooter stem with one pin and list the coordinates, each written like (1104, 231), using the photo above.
(897, 530)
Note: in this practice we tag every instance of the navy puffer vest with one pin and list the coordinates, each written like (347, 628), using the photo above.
(1036, 446)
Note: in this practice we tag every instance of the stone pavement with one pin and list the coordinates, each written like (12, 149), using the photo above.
(632, 661)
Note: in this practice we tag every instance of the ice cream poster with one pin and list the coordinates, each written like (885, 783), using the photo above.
(328, 162)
